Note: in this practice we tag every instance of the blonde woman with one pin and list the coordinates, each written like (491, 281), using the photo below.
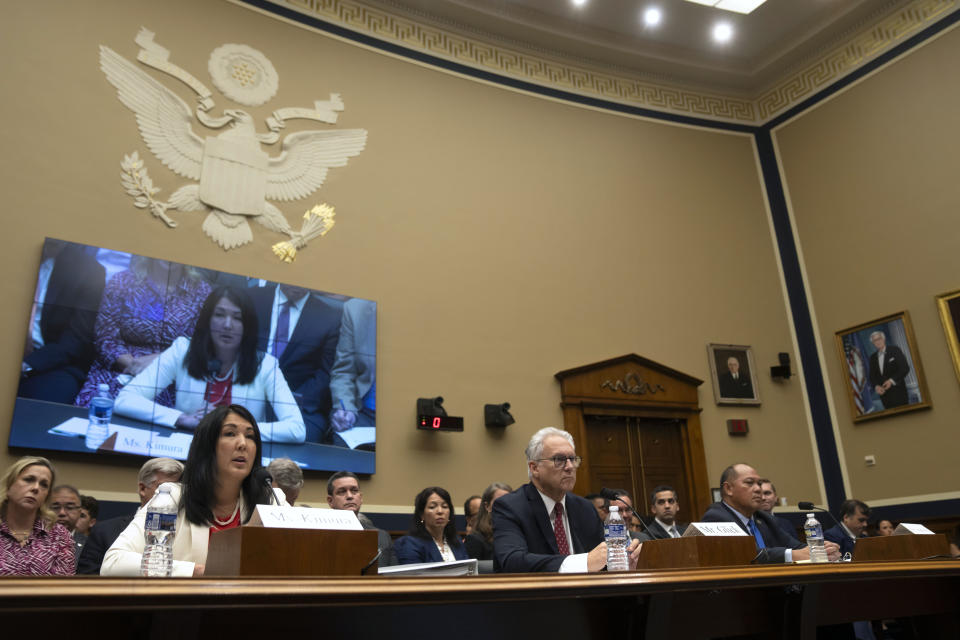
(31, 541)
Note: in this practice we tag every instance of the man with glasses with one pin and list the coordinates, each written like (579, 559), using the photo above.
(664, 507)
(66, 505)
(542, 526)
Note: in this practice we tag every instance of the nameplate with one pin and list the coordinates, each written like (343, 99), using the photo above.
(905, 528)
(268, 515)
(713, 529)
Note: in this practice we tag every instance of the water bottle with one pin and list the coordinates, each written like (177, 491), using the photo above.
(159, 529)
(814, 533)
(101, 410)
(615, 534)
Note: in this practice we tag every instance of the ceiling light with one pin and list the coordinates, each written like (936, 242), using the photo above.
(722, 32)
(739, 6)
(578, 3)
(652, 17)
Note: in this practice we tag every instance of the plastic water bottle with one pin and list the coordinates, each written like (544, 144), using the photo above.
(615, 534)
(101, 410)
(814, 533)
(159, 529)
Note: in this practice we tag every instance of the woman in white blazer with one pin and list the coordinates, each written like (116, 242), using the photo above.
(219, 366)
(218, 490)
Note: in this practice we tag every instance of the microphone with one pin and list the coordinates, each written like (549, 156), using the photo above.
(612, 495)
(262, 477)
(364, 571)
(213, 368)
(809, 506)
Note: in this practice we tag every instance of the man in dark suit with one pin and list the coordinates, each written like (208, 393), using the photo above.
(542, 526)
(59, 347)
(769, 493)
(853, 523)
(664, 507)
(742, 499)
(888, 372)
(343, 492)
(301, 331)
(153, 473)
(733, 383)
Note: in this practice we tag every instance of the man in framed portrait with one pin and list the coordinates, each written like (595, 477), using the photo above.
(734, 383)
(888, 372)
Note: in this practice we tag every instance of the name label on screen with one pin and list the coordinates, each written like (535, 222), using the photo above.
(713, 529)
(269, 515)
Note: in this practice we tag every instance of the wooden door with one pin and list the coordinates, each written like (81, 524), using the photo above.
(637, 455)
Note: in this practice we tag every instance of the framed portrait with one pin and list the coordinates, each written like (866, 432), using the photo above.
(882, 366)
(949, 306)
(734, 374)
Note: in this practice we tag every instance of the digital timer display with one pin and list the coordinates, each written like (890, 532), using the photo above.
(440, 423)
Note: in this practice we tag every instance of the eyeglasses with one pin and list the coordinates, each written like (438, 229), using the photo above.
(561, 461)
(56, 506)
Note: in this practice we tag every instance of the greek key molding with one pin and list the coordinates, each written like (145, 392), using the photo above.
(867, 43)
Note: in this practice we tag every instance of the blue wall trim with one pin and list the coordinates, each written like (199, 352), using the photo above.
(802, 322)
(783, 229)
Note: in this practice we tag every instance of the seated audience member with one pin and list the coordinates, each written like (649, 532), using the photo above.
(471, 508)
(66, 505)
(59, 346)
(885, 528)
(624, 504)
(542, 526)
(479, 542)
(664, 507)
(218, 491)
(742, 498)
(343, 492)
(288, 477)
(601, 504)
(853, 524)
(770, 501)
(301, 331)
(153, 473)
(32, 542)
(144, 309)
(352, 381)
(219, 366)
(433, 537)
(89, 509)
(955, 543)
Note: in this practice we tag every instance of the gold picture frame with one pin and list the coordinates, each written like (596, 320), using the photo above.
(876, 390)
(949, 306)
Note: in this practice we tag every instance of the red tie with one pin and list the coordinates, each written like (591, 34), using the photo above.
(559, 531)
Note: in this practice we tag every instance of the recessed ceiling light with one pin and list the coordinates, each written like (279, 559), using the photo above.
(739, 6)
(578, 3)
(722, 32)
(652, 16)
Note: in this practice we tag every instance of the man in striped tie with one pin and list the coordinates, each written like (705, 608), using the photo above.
(542, 526)
(740, 486)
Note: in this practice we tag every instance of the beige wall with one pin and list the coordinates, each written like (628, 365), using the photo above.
(872, 176)
(547, 235)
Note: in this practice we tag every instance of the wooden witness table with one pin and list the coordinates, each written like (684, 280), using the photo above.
(772, 601)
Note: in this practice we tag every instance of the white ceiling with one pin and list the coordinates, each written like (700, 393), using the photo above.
(777, 38)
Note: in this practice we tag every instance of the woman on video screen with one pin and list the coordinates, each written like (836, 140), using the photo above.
(219, 366)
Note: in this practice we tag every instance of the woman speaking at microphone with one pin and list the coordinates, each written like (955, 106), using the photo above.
(218, 490)
(220, 365)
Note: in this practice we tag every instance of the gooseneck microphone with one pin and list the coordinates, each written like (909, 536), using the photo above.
(262, 477)
(612, 495)
(809, 506)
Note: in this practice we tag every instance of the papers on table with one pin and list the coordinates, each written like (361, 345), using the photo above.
(457, 568)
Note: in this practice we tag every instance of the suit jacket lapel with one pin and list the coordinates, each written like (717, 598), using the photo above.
(736, 518)
(541, 517)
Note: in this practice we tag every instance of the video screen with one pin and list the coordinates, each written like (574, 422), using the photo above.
(124, 354)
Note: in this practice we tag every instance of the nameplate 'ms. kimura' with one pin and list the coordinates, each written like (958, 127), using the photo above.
(269, 515)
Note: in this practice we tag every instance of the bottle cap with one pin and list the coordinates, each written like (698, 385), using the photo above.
(809, 515)
(614, 508)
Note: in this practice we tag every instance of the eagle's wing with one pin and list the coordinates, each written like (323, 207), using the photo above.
(164, 118)
(302, 165)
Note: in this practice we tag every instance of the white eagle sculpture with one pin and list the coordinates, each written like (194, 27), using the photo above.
(234, 178)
